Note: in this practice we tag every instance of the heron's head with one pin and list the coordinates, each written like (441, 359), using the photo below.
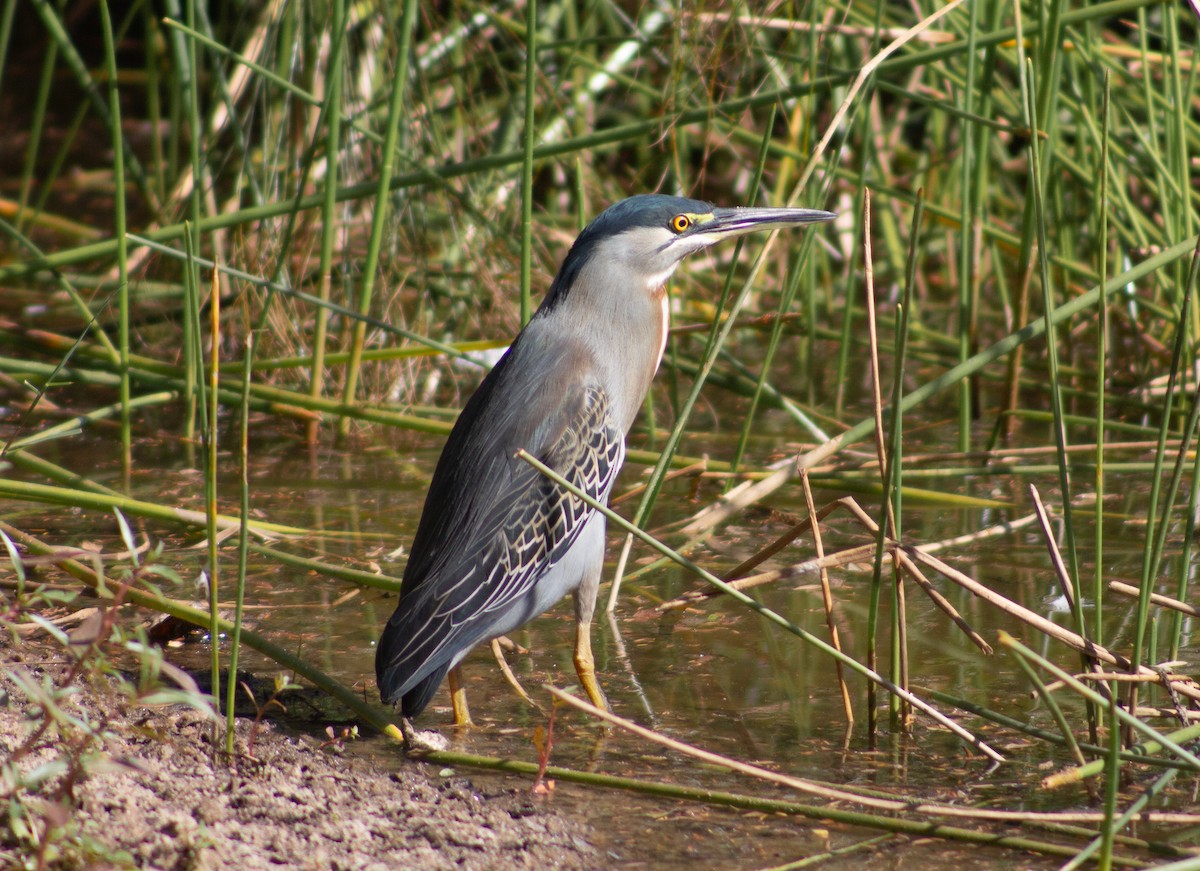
(647, 236)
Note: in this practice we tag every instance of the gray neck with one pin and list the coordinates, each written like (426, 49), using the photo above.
(621, 324)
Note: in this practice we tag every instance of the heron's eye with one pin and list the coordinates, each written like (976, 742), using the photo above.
(680, 223)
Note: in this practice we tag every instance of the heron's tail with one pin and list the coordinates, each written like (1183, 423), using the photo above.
(398, 679)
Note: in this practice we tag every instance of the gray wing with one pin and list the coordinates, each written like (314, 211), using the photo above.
(518, 538)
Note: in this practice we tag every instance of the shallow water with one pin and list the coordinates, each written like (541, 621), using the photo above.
(715, 675)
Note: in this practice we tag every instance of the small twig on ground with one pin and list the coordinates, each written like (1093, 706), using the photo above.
(506, 670)
(543, 740)
(260, 711)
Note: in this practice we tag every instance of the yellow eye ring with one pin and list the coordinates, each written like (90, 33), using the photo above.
(680, 223)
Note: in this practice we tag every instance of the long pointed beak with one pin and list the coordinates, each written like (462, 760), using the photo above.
(726, 223)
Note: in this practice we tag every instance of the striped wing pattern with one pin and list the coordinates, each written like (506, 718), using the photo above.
(527, 531)
(545, 520)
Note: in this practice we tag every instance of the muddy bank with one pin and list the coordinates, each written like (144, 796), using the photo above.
(151, 795)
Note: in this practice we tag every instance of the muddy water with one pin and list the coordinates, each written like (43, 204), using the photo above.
(715, 675)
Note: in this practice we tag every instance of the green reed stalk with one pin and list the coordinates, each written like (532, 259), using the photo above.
(1112, 766)
(1112, 780)
(209, 440)
(893, 490)
(785, 304)
(36, 130)
(80, 492)
(527, 142)
(387, 168)
(187, 57)
(83, 77)
(1055, 710)
(1141, 753)
(330, 225)
(194, 391)
(866, 159)
(1098, 582)
(176, 94)
(846, 335)
(1049, 74)
(1158, 527)
(1186, 559)
(874, 594)
(74, 425)
(1135, 807)
(971, 200)
(152, 70)
(1038, 95)
(360, 577)
(6, 27)
(118, 145)
(1178, 153)
(1055, 389)
(235, 637)
(984, 88)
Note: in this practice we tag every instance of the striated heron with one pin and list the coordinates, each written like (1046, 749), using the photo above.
(499, 543)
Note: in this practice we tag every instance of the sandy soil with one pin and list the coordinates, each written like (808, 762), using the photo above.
(160, 798)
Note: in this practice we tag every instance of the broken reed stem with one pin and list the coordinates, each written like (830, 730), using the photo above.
(1145, 748)
(1056, 560)
(777, 545)
(833, 560)
(914, 555)
(913, 828)
(767, 613)
(914, 572)
(1038, 622)
(807, 567)
(1155, 598)
(1064, 583)
(840, 793)
(697, 468)
(827, 597)
(1089, 694)
(1042, 624)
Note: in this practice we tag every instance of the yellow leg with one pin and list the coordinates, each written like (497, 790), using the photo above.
(458, 698)
(585, 606)
(585, 665)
